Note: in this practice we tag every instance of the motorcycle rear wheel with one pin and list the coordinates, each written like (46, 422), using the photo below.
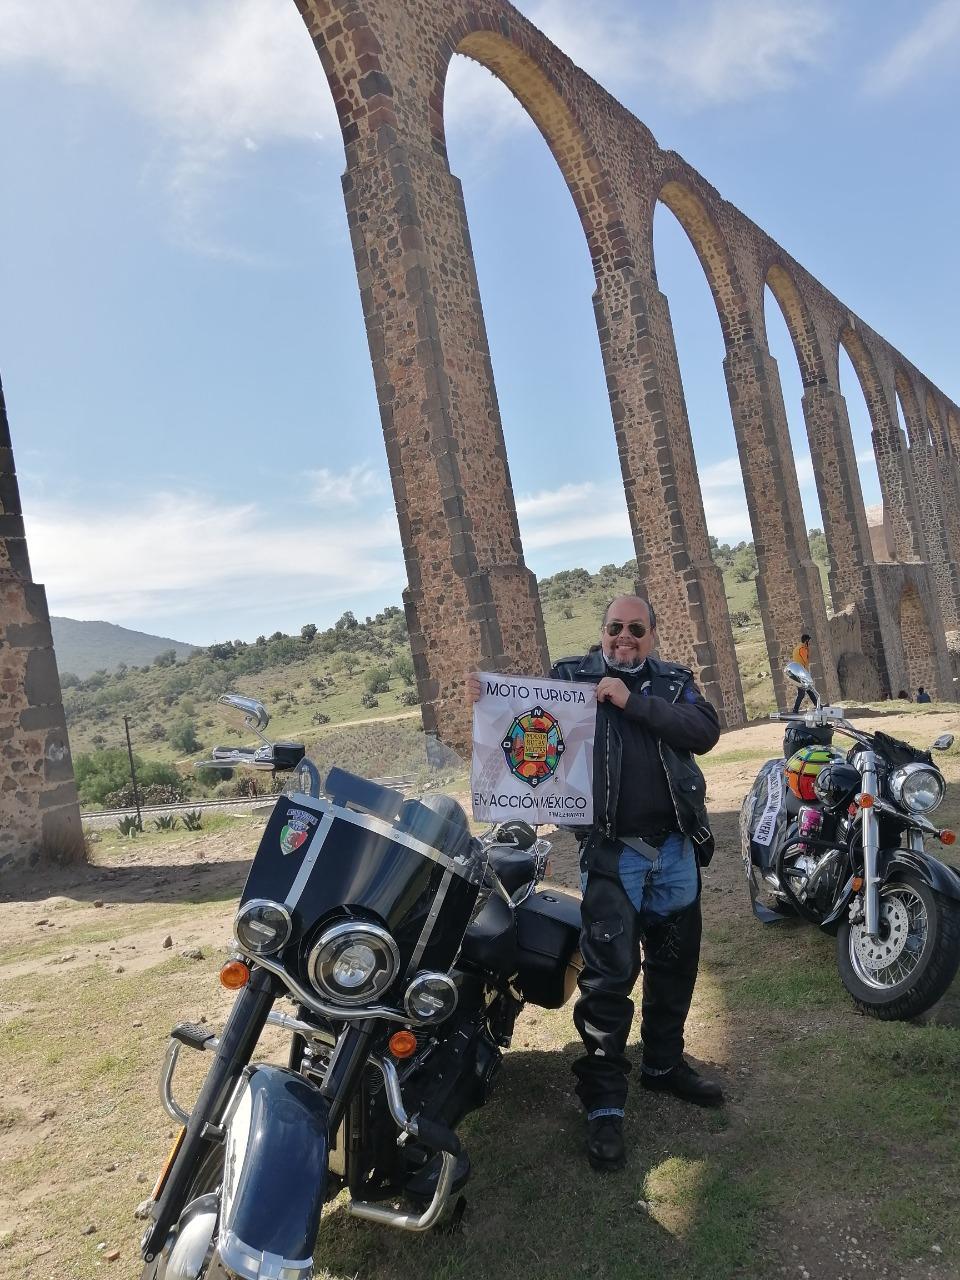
(916, 958)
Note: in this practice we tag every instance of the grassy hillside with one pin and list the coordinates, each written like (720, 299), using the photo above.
(354, 672)
(85, 647)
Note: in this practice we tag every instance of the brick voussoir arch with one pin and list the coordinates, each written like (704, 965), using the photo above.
(677, 189)
(780, 276)
(529, 66)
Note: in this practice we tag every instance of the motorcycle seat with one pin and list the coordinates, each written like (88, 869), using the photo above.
(491, 937)
(515, 867)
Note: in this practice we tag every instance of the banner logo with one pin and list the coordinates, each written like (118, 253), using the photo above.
(533, 746)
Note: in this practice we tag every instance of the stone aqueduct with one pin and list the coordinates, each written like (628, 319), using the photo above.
(470, 599)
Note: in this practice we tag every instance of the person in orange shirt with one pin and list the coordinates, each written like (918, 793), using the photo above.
(801, 654)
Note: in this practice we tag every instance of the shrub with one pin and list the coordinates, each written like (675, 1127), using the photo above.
(378, 680)
(369, 700)
(740, 619)
(403, 667)
(129, 826)
(409, 698)
(192, 819)
(166, 822)
(165, 659)
(157, 732)
(320, 717)
(184, 738)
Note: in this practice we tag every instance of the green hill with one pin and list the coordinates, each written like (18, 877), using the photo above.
(85, 647)
(321, 686)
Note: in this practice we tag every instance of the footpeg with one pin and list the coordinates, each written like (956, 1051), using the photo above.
(195, 1035)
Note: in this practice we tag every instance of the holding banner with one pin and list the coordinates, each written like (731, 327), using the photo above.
(533, 750)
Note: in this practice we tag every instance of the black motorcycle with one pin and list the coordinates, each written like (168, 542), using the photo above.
(849, 855)
(407, 948)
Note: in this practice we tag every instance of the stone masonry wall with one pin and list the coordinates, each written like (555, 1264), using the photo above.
(471, 600)
(39, 810)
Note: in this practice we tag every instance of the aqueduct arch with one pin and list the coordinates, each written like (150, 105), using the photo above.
(471, 599)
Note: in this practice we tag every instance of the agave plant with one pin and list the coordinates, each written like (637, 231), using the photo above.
(129, 826)
(193, 820)
(166, 822)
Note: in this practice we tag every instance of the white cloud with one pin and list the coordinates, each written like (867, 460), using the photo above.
(212, 74)
(707, 53)
(189, 556)
(216, 79)
(934, 40)
(345, 488)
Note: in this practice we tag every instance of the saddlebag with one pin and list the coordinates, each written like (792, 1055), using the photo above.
(548, 936)
(763, 817)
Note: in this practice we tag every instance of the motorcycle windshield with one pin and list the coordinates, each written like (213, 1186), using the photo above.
(389, 846)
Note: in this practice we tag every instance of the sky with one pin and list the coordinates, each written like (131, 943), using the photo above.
(181, 341)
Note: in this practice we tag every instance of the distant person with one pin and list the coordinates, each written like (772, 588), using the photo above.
(922, 695)
(801, 654)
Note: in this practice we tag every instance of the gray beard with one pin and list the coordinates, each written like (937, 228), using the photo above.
(622, 666)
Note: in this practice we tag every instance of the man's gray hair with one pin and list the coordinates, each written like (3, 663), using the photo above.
(643, 600)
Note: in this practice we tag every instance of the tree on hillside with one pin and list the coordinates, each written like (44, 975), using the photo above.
(403, 667)
(183, 736)
(308, 631)
(165, 659)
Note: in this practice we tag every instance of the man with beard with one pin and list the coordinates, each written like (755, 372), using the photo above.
(640, 871)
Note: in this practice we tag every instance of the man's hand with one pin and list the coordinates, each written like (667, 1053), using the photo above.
(610, 689)
(471, 687)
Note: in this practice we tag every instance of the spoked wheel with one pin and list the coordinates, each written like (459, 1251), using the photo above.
(914, 958)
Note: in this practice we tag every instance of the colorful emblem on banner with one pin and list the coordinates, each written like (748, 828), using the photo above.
(296, 830)
(533, 746)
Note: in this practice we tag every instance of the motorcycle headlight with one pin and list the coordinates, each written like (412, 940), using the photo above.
(431, 997)
(917, 787)
(262, 927)
(353, 962)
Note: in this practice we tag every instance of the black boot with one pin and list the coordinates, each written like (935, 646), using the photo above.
(605, 1148)
(684, 1083)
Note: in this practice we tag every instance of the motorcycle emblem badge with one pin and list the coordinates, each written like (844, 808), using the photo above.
(296, 830)
(533, 746)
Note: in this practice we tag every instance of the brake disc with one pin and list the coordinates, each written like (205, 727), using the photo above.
(878, 953)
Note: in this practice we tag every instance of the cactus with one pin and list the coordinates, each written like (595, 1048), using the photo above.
(166, 822)
(193, 820)
(129, 826)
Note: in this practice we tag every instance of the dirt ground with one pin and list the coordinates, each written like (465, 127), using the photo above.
(120, 911)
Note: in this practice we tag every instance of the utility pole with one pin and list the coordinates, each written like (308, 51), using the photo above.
(133, 774)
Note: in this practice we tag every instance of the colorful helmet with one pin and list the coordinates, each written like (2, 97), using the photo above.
(803, 767)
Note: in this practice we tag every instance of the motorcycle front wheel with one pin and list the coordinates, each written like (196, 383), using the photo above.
(194, 1252)
(912, 962)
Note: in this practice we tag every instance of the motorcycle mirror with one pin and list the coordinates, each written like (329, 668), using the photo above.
(944, 742)
(255, 714)
(798, 674)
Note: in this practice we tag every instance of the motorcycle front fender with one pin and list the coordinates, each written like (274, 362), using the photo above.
(275, 1176)
(940, 877)
(894, 862)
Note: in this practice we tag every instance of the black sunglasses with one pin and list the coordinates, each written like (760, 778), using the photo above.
(635, 628)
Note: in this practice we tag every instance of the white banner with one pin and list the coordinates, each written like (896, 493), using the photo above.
(533, 750)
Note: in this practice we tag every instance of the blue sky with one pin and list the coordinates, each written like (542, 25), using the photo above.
(181, 342)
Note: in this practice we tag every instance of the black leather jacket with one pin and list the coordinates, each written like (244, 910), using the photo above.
(686, 783)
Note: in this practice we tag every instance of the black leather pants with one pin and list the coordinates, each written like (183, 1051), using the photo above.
(613, 932)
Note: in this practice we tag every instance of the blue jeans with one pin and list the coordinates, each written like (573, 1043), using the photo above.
(660, 887)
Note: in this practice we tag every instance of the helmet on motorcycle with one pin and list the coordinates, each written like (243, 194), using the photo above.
(836, 784)
(804, 765)
(515, 832)
(803, 735)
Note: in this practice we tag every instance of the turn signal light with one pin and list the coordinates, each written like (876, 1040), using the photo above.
(403, 1044)
(234, 975)
(865, 801)
(948, 837)
(856, 884)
